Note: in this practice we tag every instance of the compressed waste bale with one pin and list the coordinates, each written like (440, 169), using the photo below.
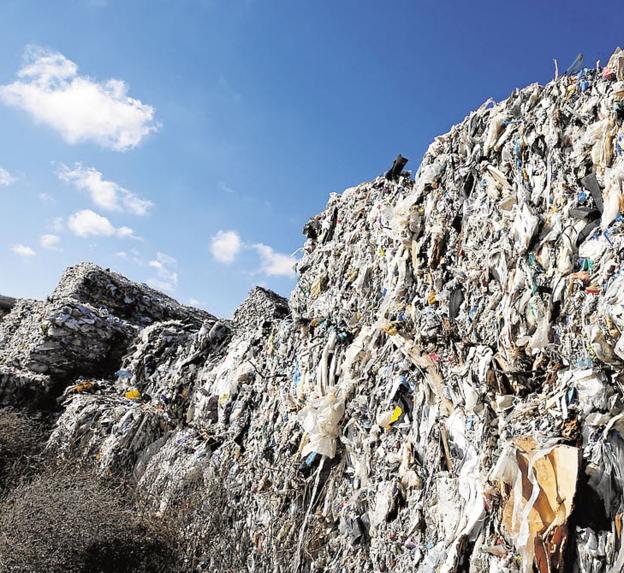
(262, 305)
(62, 338)
(6, 304)
(84, 328)
(133, 302)
(164, 360)
(158, 378)
(108, 428)
(23, 387)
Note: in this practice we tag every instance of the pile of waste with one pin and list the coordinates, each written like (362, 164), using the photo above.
(6, 304)
(83, 328)
(442, 392)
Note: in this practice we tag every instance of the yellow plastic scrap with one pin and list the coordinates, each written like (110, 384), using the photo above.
(431, 297)
(396, 414)
(390, 328)
(133, 394)
(386, 419)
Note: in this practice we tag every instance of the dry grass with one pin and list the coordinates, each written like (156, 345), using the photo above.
(67, 520)
(63, 518)
(22, 439)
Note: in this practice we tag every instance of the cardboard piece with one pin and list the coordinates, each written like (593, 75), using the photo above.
(540, 502)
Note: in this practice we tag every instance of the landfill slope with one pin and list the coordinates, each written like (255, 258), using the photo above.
(443, 390)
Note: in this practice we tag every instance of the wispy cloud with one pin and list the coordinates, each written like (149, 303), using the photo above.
(87, 223)
(274, 263)
(225, 246)
(223, 186)
(6, 178)
(50, 89)
(105, 194)
(166, 272)
(57, 224)
(23, 251)
(127, 233)
(50, 242)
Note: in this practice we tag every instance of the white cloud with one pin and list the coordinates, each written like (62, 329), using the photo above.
(105, 194)
(50, 242)
(225, 246)
(23, 251)
(50, 89)
(87, 223)
(273, 263)
(46, 197)
(6, 178)
(166, 271)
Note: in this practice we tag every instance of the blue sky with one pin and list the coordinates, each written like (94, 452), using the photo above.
(230, 122)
